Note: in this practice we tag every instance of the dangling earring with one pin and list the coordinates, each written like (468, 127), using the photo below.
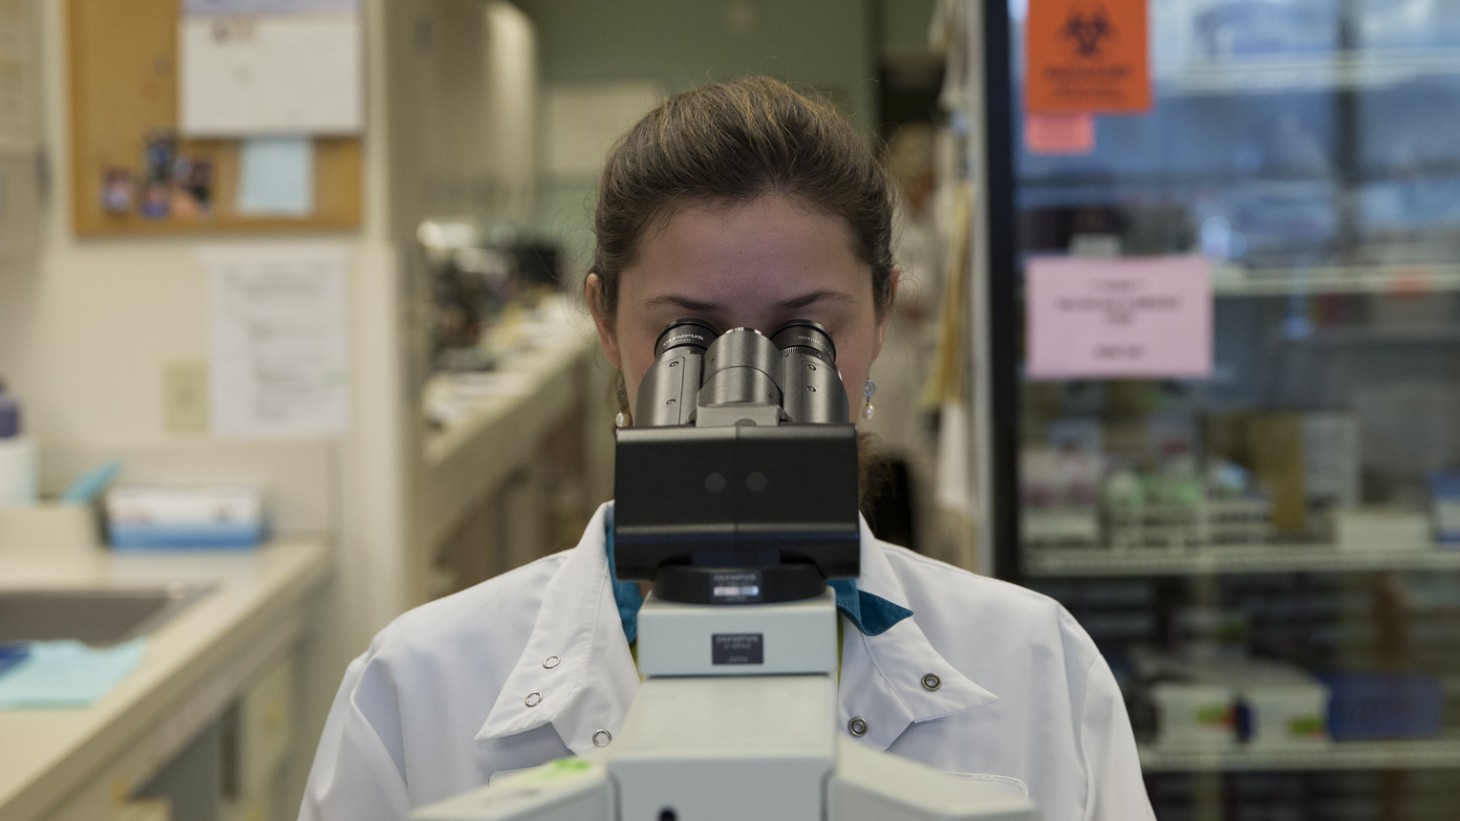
(623, 418)
(868, 411)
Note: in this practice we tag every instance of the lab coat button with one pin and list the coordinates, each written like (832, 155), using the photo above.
(533, 699)
(931, 682)
(601, 738)
(550, 662)
(857, 727)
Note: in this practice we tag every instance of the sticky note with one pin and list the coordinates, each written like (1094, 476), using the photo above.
(1059, 133)
(276, 177)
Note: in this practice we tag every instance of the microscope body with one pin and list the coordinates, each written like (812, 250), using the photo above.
(736, 497)
(711, 741)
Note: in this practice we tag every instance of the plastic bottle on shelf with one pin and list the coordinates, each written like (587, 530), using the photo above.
(17, 456)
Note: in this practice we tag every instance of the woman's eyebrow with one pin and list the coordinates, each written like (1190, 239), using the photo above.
(680, 302)
(806, 300)
(795, 303)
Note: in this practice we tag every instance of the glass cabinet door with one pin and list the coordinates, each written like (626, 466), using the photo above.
(1269, 555)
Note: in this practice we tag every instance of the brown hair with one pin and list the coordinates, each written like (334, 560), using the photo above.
(736, 141)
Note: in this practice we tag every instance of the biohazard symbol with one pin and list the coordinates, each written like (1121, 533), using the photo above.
(1088, 32)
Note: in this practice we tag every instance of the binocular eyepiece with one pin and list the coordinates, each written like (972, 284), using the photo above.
(740, 377)
(737, 483)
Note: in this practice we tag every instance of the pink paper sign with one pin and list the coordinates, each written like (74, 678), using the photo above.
(1141, 318)
(1059, 133)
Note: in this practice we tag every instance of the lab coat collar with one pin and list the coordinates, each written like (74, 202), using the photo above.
(576, 671)
(895, 679)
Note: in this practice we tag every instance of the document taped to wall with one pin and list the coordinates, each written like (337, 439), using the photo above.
(279, 352)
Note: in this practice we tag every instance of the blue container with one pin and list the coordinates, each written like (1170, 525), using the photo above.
(1368, 706)
(11, 655)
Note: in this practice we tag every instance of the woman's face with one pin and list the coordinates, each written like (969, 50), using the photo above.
(755, 264)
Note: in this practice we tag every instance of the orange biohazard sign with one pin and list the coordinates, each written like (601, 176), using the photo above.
(1087, 56)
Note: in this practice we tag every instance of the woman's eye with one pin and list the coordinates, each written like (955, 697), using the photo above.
(664, 321)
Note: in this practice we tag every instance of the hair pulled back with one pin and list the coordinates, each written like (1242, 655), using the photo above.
(733, 142)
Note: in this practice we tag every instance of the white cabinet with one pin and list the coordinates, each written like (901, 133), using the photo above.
(260, 733)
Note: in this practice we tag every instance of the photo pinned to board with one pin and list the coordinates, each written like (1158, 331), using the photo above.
(118, 190)
(158, 157)
(192, 187)
(175, 184)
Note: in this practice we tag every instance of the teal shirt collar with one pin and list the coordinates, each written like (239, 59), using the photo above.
(871, 615)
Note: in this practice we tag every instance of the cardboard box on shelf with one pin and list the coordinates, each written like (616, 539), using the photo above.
(1061, 526)
(1445, 507)
(1191, 714)
(1222, 699)
(1303, 461)
(1276, 444)
(1383, 529)
(1286, 715)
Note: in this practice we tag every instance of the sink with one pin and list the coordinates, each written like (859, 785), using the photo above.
(98, 616)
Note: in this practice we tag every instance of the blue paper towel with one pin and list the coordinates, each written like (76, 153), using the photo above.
(67, 674)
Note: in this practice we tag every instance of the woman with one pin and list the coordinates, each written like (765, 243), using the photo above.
(744, 204)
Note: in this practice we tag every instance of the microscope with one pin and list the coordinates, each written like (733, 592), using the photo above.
(736, 497)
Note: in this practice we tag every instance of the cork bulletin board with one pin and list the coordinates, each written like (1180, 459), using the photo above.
(132, 173)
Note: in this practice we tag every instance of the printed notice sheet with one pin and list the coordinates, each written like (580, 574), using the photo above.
(280, 347)
(1130, 318)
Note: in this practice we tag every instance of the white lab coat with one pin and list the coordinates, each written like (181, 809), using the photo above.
(529, 666)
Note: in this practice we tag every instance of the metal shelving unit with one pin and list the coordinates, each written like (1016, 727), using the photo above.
(1441, 752)
(1239, 281)
(1325, 165)
(1228, 559)
(1352, 71)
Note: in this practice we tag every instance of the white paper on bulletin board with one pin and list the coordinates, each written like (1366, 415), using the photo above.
(248, 68)
(279, 357)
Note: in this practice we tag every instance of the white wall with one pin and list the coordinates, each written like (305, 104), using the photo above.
(88, 326)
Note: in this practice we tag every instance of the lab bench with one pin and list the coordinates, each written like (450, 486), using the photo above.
(515, 459)
(227, 663)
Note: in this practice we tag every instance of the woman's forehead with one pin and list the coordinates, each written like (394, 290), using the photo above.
(772, 244)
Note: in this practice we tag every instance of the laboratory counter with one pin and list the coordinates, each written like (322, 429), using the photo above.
(238, 640)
